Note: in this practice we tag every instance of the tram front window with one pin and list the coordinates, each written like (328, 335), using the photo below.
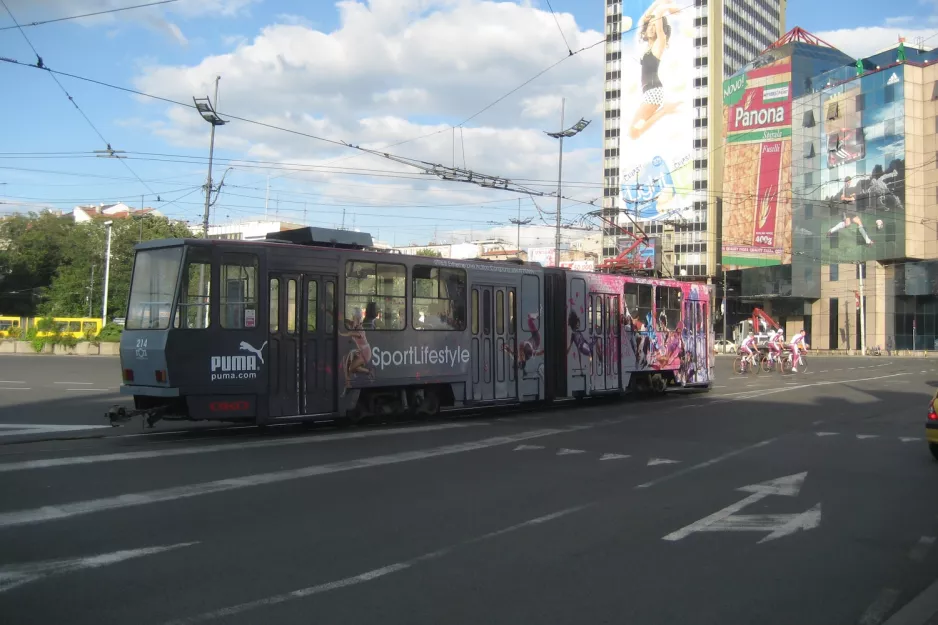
(151, 292)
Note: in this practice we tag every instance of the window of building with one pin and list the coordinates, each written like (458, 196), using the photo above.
(861, 102)
(613, 94)
(808, 120)
(700, 184)
(193, 312)
(809, 149)
(833, 110)
(889, 127)
(439, 298)
(934, 91)
(835, 273)
(375, 296)
(700, 143)
(700, 21)
(700, 82)
(238, 291)
(889, 94)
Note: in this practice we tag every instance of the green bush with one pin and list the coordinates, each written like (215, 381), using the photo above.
(110, 333)
(15, 333)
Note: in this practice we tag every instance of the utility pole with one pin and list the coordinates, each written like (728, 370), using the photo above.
(91, 293)
(107, 272)
(267, 199)
(726, 308)
(305, 221)
(861, 269)
(518, 241)
(563, 104)
(214, 120)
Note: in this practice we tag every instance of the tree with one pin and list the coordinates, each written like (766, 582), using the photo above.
(31, 250)
(428, 252)
(71, 292)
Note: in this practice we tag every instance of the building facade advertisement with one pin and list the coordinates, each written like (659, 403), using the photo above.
(854, 190)
(543, 255)
(655, 143)
(757, 167)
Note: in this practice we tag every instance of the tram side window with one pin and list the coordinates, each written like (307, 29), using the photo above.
(274, 304)
(375, 296)
(439, 298)
(668, 303)
(638, 300)
(239, 292)
(193, 312)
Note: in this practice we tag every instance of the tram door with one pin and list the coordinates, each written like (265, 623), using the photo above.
(493, 350)
(301, 322)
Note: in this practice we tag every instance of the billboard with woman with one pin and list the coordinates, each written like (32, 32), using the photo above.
(655, 137)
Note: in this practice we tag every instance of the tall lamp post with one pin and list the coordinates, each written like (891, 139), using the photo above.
(207, 111)
(563, 134)
(107, 271)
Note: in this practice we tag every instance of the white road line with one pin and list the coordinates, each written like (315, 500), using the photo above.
(825, 371)
(88, 389)
(11, 382)
(16, 388)
(880, 607)
(76, 383)
(866, 436)
(18, 574)
(367, 576)
(23, 429)
(527, 447)
(705, 464)
(909, 439)
(763, 393)
(208, 449)
(79, 508)
(615, 456)
(920, 550)
(567, 452)
(826, 433)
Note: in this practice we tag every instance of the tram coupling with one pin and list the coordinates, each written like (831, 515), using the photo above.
(118, 415)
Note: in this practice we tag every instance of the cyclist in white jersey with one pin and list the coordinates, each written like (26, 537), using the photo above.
(794, 345)
(746, 346)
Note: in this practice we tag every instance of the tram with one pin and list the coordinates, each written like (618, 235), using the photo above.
(317, 324)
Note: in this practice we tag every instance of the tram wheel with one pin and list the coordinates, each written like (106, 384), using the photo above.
(428, 405)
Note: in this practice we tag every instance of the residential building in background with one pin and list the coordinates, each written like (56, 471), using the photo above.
(662, 119)
(247, 230)
(858, 153)
(86, 213)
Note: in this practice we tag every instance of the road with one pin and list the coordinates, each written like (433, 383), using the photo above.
(771, 500)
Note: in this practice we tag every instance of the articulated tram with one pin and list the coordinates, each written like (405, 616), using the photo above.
(317, 324)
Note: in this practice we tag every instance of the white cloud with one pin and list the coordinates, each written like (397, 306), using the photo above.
(867, 40)
(395, 70)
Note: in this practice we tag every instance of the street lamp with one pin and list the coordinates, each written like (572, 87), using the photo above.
(107, 271)
(563, 134)
(207, 111)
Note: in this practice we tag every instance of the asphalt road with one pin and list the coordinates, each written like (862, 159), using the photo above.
(771, 500)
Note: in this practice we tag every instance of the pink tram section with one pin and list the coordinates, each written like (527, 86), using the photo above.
(638, 334)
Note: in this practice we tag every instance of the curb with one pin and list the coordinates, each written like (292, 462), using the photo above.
(920, 610)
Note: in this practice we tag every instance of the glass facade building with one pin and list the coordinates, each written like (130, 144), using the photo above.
(864, 187)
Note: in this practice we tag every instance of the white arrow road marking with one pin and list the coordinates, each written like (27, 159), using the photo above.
(567, 452)
(656, 461)
(866, 436)
(18, 574)
(614, 456)
(827, 433)
(527, 447)
(778, 525)
(909, 439)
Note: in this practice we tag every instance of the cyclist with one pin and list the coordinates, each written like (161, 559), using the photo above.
(796, 343)
(775, 345)
(746, 348)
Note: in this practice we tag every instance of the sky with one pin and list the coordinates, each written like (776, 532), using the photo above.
(389, 75)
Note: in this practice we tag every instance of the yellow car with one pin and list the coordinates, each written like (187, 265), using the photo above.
(931, 427)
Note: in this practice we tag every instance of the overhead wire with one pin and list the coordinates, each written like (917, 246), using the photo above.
(40, 64)
(94, 14)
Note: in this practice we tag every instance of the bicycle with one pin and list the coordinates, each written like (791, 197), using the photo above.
(770, 362)
(787, 364)
(745, 363)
